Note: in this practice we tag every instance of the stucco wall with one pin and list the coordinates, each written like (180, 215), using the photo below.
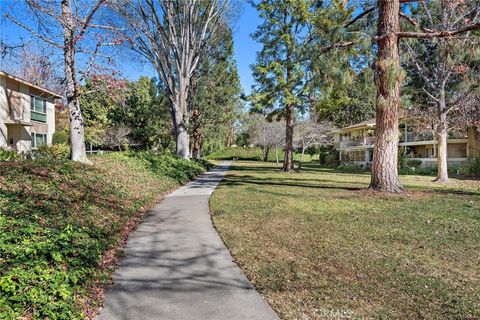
(457, 150)
(15, 97)
(3, 111)
(454, 150)
(50, 121)
(473, 142)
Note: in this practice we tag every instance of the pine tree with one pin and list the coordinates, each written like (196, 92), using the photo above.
(281, 65)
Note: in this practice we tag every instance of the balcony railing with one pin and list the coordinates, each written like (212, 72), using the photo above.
(357, 142)
(414, 136)
(427, 136)
(37, 116)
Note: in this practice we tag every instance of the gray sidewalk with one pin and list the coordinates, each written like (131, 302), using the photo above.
(177, 267)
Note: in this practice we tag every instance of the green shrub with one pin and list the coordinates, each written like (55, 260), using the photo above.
(331, 160)
(58, 218)
(427, 171)
(53, 152)
(205, 164)
(414, 163)
(60, 137)
(181, 170)
(471, 167)
(9, 155)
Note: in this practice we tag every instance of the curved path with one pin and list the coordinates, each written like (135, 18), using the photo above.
(177, 267)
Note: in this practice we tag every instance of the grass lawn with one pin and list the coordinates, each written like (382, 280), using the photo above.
(62, 225)
(318, 245)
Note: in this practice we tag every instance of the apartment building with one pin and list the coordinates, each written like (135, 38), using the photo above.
(355, 143)
(27, 114)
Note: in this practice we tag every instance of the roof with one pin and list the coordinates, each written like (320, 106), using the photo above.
(366, 124)
(30, 84)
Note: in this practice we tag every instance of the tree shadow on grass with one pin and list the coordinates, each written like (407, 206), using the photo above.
(247, 179)
(263, 168)
(293, 180)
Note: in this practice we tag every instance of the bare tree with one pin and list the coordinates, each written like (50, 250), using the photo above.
(174, 36)
(268, 135)
(66, 25)
(117, 136)
(313, 133)
(7, 49)
(34, 62)
(446, 67)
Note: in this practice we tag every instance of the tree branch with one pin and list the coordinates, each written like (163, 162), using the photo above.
(430, 95)
(414, 23)
(341, 44)
(438, 34)
(36, 34)
(88, 18)
(360, 16)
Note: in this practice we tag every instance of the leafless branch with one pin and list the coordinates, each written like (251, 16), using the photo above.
(33, 32)
(88, 18)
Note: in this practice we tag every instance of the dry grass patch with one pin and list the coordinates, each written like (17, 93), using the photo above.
(317, 244)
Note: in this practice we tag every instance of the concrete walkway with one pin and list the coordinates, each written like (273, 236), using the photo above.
(177, 267)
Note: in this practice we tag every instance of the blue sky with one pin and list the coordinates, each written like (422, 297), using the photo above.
(245, 47)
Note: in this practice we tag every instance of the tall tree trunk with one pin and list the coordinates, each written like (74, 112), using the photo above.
(441, 136)
(77, 130)
(230, 137)
(266, 150)
(276, 155)
(197, 144)
(196, 135)
(388, 76)
(288, 160)
(181, 119)
(473, 142)
(182, 139)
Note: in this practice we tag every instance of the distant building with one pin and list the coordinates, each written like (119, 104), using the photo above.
(355, 143)
(27, 114)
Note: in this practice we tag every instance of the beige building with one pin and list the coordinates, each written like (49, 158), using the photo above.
(355, 144)
(27, 114)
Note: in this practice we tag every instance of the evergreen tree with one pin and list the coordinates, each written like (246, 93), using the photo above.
(281, 65)
(215, 97)
(350, 103)
(299, 58)
(146, 113)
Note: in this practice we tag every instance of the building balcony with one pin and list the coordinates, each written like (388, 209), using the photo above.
(357, 142)
(38, 116)
(15, 119)
(427, 136)
(415, 136)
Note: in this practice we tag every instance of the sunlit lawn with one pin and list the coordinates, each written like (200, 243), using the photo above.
(316, 244)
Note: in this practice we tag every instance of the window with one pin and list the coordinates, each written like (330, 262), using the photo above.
(38, 139)
(38, 107)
